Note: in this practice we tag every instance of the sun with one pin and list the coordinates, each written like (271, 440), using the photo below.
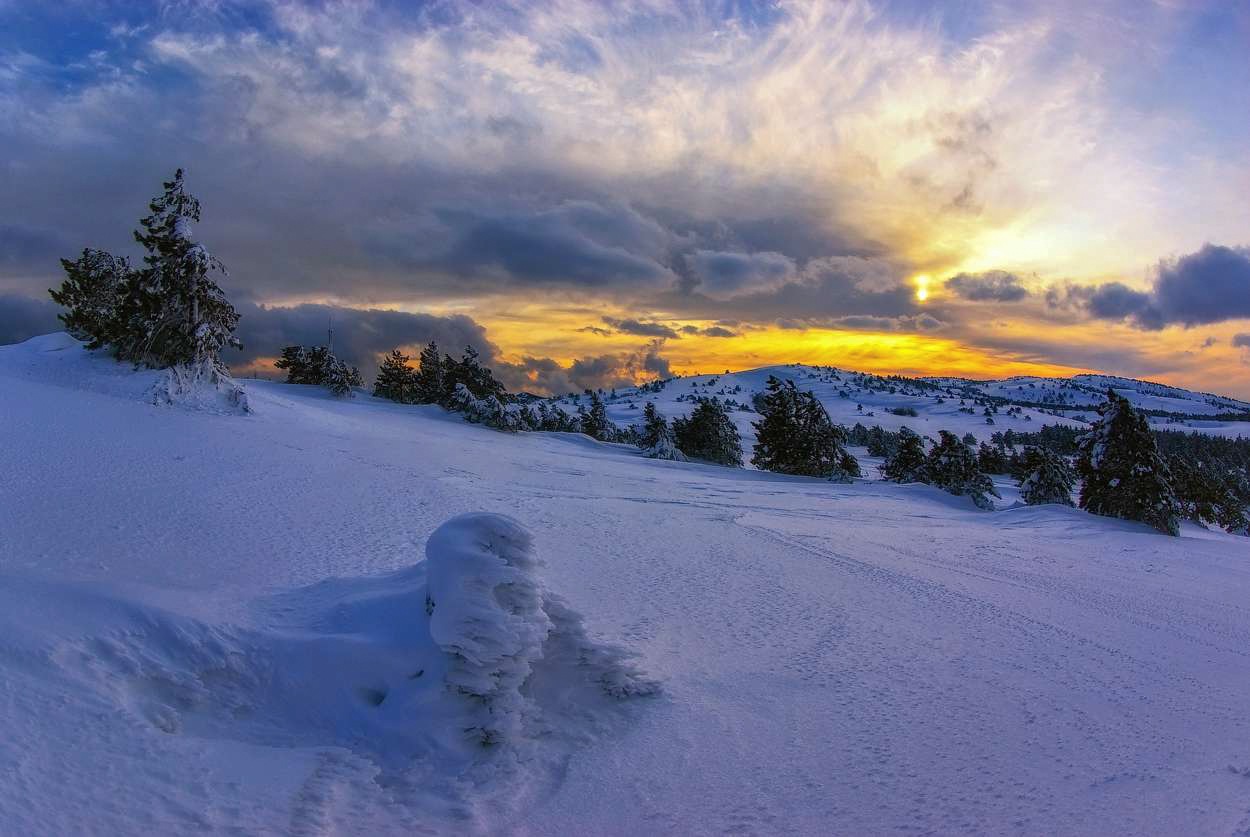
(922, 287)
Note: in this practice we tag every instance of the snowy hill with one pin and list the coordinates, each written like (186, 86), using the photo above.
(213, 622)
(955, 404)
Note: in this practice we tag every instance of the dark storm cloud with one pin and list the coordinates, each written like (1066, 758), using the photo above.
(991, 286)
(547, 376)
(578, 243)
(723, 275)
(1241, 341)
(710, 331)
(23, 317)
(630, 326)
(1211, 285)
(360, 335)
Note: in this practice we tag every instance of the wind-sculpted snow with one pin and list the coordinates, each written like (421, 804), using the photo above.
(489, 613)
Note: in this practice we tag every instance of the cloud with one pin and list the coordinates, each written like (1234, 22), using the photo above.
(1241, 341)
(991, 286)
(724, 275)
(630, 326)
(547, 376)
(23, 317)
(361, 336)
(709, 331)
(1211, 285)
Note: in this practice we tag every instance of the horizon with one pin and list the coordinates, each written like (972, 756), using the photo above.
(596, 198)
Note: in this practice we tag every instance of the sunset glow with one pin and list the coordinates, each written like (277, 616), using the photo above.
(596, 195)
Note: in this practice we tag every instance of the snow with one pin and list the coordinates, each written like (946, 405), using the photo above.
(217, 623)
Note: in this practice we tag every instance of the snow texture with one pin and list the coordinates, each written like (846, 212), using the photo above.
(217, 624)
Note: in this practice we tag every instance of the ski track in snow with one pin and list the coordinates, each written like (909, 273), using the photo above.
(180, 629)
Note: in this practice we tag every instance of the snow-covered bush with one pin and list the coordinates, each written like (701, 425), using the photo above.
(489, 612)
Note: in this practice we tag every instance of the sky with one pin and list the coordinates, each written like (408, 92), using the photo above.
(601, 193)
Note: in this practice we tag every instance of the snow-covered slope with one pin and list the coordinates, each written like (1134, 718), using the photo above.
(955, 404)
(218, 623)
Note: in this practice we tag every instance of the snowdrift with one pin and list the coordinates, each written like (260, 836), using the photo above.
(455, 682)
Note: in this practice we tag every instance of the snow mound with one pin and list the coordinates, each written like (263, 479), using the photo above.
(204, 386)
(489, 612)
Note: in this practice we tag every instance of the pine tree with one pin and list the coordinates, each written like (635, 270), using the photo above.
(907, 462)
(952, 467)
(396, 379)
(595, 423)
(709, 434)
(168, 313)
(1047, 478)
(174, 312)
(93, 294)
(340, 378)
(1123, 474)
(654, 427)
(991, 459)
(795, 436)
(296, 363)
(428, 384)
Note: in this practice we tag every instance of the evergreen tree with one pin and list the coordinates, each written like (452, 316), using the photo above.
(595, 423)
(709, 434)
(952, 467)
(1123, 474)
(429, 377)
(991, 459)
(654, 427)
(907, 462)
(479, 380)
(396, 379)
(340, 378)
(174, 312)
(92, 292)
(296, 363)
(1047, 478)
(168, 313)
(795, 436)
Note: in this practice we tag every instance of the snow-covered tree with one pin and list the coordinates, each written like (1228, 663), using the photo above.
(654, 427)
(906, 462)
(92, 293)
(1046, 478)
(709, 434)
(991, 459)
(174, 312)
(340, 378)
(170, 312)
(1123, 473)
(396, 380)
(296, 363)
(952, 466)
(595, 422)
(795, 436)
